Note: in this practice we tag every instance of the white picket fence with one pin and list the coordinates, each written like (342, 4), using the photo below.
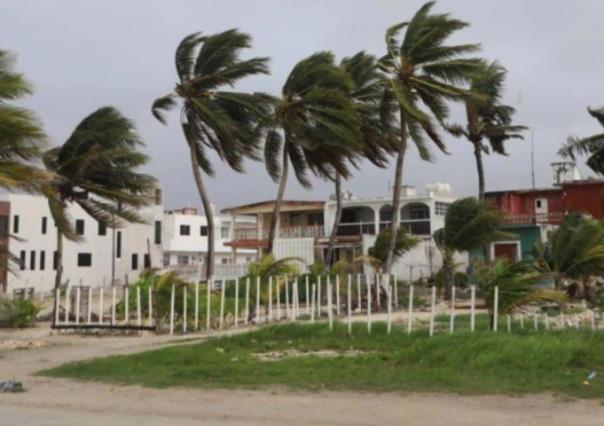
(278, 299)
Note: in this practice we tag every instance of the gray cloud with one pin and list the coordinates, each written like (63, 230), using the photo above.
(82, 55)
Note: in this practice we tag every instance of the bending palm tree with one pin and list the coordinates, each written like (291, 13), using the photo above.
(592, 146)
(372, 144)
(421, 69)
(313, 125)
(95, 169)
(488, 118)
(211, 118)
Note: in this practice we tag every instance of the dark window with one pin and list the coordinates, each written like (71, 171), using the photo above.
(44, 224)
(16, 224)
(417, 228)
(84, 259)
(118, 249)
(147, 261)
(55, 260)
(315, 219)
(203, 231)
(158, 232)
(32, 260)
(42, 260)
(4, 224)
(80, 226)
(185, 230)
(102, 228)
(22, 260)
(134, 261)
(538, 204)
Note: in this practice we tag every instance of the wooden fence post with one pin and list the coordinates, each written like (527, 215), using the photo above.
(432, 309)
(410, 311)
(172, 300)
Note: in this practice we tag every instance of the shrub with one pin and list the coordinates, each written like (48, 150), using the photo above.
(18, 313)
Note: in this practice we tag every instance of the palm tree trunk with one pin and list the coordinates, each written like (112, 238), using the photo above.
(479, 168)
(336, 222)
(207, 207)
(278, 201)
(396, 195)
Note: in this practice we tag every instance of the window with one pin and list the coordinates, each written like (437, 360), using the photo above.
(79, 225)
(55, 260)
(441, 208)
(416, 211)
(44, 224)
(185, 230)
(203, 231)
(225, 232)
(538, 203)
(84, 259)
(102, 228)
(118, 249)
(315, 218)
(16, 224)
(134, 261)
(22, 260)
(32, 260)
(4, 224)
(158, 232)
(182, 260)
(166, 260)
(224, 261)
(147, 261)
(42, 260)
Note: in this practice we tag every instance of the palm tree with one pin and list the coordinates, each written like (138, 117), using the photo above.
(592, 146)
(96, 169)
(21, 135)
(313, 125)
(421, 70)
(573, 252)
(488, 118)
(468, 224)
(373, 144)
(213, 118)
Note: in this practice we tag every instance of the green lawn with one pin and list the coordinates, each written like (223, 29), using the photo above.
(479, 363)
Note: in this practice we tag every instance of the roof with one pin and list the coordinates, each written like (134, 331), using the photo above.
(269, 205)
(549, 189)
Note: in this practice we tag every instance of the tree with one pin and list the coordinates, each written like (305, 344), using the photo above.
(421, 70)
(313, 126)
(373, 144)
(468, 224)
(96, 169)
(213, 118)
(592, 146)
(515, 283)
(404, 243)
(574, 251)
(487, 118)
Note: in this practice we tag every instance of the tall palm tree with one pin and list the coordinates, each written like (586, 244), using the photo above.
(468, 224)
(373, 144)
(313, 126)
(591, 146)
(96, 169)
(488, 118)
(21, 135)
(422, 70)
(213, 118)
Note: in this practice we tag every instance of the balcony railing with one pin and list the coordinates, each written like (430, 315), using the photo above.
(534, 218)
(357, 228)
(308, 231)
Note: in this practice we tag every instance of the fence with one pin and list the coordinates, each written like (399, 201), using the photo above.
(234, 303)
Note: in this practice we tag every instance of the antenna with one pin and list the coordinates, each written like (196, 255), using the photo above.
(533, 158)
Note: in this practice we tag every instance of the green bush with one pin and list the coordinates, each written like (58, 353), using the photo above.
(18, 313)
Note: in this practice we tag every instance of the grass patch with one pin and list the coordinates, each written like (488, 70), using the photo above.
(483, 362)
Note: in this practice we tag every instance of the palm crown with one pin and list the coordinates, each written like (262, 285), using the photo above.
(592, 146)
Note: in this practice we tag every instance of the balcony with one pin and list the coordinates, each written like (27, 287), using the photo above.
(253, 237)
(553, 218)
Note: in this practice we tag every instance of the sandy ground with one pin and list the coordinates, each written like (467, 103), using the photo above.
(64, 402)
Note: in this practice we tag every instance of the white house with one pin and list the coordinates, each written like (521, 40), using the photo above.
(90, 262)
(185, 240)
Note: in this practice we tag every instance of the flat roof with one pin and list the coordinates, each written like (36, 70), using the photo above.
(269, 205)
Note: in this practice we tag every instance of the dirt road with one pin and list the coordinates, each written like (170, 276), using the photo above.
(64, 402)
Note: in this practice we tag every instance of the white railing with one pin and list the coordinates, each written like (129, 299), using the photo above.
(308, 231)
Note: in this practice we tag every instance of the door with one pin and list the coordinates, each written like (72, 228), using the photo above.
(507, 251)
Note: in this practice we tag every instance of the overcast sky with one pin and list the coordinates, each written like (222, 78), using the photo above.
(81, 55)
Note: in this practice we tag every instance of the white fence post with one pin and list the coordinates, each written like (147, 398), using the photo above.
(472, 308)
(287, 307)
(172, 300)
(522, 321)
(307, 297)
(208, 303)
(126, 305)
(113, 290)
(57, 304)
(432, 309)
(77, 308)
(101, 305)
(184, 309)
(329, 303)
(236, 302)
(338, 295)
(258, 300)
(67, 303)
(318, 304)
(496, 308)
(139, 319)
(577, 325)
(222, 296)
(270, 298)
(296, 298)
(359, 293)
(349, 302)
(452, 317)
(389, 301)
(312, 302)
(546, 321)
(196, 307)
(509, 320)
(368, 306)
(89, 313)
(535, 322)
(247, 300)
(150, 305)
(278, 290)
(410, 311)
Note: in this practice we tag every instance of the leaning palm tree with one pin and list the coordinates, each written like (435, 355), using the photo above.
(96, 169)
(211, 117)
(591, 146)
(313, 126)
(422, 70)
(488, 118)
(373, 144)
(468, 224)
(21, 135)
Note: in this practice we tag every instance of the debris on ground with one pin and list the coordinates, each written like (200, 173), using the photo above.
(11, 386)
(21, 344)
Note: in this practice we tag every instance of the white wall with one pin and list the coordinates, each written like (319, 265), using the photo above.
(304, 248)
